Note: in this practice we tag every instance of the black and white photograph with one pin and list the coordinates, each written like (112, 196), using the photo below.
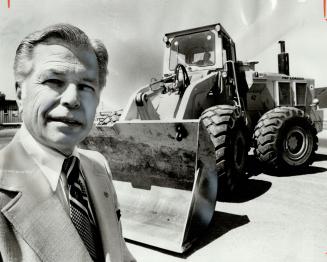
(161, 130)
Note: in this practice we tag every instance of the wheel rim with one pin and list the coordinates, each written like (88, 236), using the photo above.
(296, 143)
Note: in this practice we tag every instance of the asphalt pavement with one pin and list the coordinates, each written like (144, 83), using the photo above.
(273, 218)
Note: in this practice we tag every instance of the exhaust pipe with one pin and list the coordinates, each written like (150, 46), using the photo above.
(283, 60)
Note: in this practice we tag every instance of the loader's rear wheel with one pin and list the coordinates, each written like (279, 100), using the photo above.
(285, 138)
(229, 137)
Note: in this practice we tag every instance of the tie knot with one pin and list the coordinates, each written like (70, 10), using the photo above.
(70, 168)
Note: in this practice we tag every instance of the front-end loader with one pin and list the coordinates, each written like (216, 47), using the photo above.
(183, 138)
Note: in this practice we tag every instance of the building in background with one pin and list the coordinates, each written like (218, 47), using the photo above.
(9, 113)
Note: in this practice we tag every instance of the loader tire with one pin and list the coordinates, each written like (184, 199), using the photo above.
(285, 138)
(228, 134)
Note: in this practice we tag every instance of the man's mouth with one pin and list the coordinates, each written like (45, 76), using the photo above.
(65, 120)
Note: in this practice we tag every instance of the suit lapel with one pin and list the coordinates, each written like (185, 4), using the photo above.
(36, 213)
(102, 197)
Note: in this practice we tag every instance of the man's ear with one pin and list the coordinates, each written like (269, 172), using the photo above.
(19, 96)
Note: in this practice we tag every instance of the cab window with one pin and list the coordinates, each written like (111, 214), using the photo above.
(197, 49)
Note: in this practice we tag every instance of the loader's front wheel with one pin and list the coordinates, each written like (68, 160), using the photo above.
(227, 131)
(285, 138)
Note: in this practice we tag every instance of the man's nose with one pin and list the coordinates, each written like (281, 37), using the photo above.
(70, 97)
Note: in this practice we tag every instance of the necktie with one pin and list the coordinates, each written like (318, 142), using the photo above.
(80, 209)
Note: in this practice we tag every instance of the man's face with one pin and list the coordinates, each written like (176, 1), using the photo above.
(60, 95)
(206, 56)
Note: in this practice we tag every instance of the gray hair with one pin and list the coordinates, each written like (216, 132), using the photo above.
(68, 34)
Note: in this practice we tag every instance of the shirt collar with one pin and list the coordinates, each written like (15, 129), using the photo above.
(49, 161)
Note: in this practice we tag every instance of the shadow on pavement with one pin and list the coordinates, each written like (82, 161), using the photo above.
(320, 157)
(249, 189)
(255, 168)
(220, 224)
(310, 170)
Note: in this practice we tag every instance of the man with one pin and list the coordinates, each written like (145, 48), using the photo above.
(206, 60)
(57, 202)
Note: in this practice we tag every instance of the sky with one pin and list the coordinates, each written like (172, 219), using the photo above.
(133, 31)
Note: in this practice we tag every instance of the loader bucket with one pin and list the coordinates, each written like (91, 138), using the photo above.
(165, 178)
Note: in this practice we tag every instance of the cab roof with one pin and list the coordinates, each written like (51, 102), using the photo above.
(199, 29)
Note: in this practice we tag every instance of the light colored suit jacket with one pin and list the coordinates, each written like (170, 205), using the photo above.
(33, 223)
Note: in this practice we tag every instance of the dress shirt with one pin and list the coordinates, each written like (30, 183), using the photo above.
(50, 162)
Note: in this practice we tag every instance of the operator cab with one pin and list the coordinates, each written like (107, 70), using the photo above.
(199, 49)
(193, 50)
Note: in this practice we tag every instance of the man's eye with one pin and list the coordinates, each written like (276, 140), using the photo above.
(85, 87)
(54, 82)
